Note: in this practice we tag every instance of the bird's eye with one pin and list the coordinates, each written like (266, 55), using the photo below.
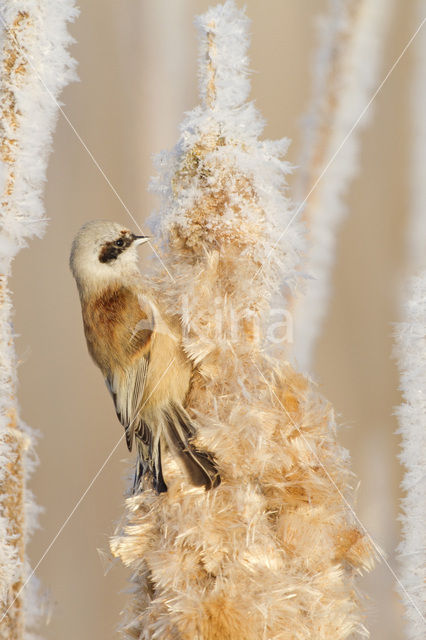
(119, 242)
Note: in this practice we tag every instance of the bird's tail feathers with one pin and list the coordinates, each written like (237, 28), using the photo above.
(148, 460)
(200, 465)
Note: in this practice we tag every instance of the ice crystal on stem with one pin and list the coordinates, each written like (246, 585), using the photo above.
(411, 343)
(352, 37)
(34, 67)
(411, 349)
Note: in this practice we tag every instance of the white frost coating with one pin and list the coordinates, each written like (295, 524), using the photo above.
(41, 40)
(346, 72)
(411, 345)
(225, 116)
(34, 68)
(229, 56)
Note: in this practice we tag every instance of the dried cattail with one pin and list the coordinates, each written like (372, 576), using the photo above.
(347, 65)
(273, 551)
(34, 67)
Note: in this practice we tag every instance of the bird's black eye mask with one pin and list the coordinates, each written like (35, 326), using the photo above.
(111, 250)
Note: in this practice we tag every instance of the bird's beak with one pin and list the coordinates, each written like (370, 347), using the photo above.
(140, 239)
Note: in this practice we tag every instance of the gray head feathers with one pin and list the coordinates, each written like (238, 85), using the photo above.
(102, 253)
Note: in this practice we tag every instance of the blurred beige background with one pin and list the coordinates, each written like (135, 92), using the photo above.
(137, 65)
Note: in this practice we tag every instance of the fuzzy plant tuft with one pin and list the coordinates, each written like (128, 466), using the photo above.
(34, 68)
(273, 552)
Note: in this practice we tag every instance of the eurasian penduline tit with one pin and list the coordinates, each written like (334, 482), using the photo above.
(139, 351)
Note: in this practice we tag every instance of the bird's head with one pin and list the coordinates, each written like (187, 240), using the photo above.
(103, 253)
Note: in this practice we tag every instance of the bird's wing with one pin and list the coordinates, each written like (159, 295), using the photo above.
(127, 390)
(127, 384)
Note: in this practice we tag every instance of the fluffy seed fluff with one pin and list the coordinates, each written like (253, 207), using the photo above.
(34, 67)
(273, 551)
(411, 346)
(410, 337)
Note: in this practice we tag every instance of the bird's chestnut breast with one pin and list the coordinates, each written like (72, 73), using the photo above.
(111, 324)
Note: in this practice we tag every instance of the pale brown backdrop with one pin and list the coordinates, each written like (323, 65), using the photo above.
(137, 65)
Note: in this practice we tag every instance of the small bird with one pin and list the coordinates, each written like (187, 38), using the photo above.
(139, 351)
